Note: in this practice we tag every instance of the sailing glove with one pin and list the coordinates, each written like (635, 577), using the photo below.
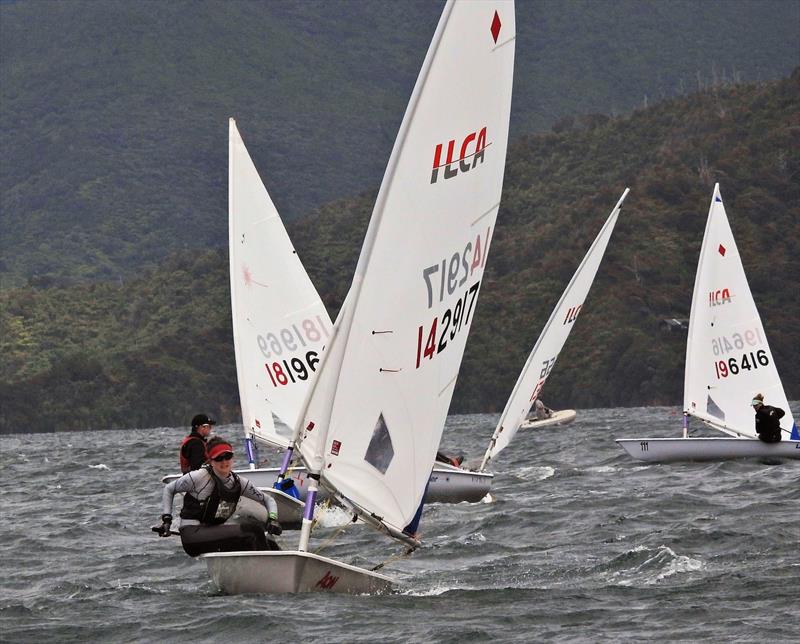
(166, 522)
(273, 527)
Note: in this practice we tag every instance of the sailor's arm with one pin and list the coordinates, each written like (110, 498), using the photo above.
(186, 483)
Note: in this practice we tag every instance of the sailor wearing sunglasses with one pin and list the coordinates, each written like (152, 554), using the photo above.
(210, 498)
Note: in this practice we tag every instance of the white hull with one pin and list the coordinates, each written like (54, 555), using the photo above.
(447, 484)
(450, 484)
(290, 510)
(561, 417)
(665, 450)
(236, 573)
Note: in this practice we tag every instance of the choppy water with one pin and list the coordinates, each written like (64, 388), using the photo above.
(581, 543)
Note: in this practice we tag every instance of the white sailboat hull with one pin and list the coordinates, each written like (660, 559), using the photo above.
(450, 484)
(237, 573)
(666, 450)
(561, 417)
(447, 484)
(290, 510)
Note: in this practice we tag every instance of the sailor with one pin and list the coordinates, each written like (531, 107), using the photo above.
(193, 448)
(768, 425)
(450, 459)
(540, 411)
(211, 494)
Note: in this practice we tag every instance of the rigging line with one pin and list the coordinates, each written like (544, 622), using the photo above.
(392, 558)
(464, 158)
(330, 539)
(323, 507)
(504, 43)
(447, 386)
(488, 212)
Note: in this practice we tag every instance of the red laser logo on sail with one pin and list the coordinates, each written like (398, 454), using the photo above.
(470, 153)
(719, 297)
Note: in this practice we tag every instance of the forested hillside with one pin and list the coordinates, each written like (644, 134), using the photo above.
(152, 349)
(113, 114)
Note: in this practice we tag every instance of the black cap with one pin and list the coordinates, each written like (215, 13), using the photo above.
(202, 419)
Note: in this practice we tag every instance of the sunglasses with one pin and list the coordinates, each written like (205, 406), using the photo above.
(223, 457)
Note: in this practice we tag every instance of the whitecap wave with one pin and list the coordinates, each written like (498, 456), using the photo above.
(660, 564)
(537, 472)
(332, 516)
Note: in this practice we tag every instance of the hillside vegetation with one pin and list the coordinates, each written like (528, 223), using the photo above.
(113, 114)
(153, 349)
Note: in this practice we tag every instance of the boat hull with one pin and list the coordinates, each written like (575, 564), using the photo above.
(665, 450)
(236, 573)
(450, 484)
(290, 510)
(447, 484)
(561, 417)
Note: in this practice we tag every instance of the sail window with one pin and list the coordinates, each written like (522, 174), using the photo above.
(714, 409)
(380, 451)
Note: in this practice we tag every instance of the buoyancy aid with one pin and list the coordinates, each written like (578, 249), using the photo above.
(218, 507)
(186, 466)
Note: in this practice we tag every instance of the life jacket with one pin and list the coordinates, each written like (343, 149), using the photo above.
(186, 466)
(218, 507)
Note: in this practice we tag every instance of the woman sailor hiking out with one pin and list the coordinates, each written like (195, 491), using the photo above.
(210, 498)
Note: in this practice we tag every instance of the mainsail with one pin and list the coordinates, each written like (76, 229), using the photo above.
(375, 416)
(280, 324)
(728, 359)
(551, 340)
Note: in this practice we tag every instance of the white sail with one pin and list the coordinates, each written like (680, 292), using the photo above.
(551, 340)
(280, 324)
(728, 359)
(375, 417)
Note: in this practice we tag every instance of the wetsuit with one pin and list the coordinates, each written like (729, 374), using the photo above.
(209, 502)
(768, 425)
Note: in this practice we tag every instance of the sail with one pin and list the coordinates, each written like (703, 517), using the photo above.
(280, 324)
(728, 359)
(375, 417)
(551, 340)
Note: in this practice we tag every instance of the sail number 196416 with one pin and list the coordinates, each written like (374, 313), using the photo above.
(748, 361)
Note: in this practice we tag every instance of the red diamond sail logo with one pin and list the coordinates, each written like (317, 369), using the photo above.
(722, 250)
(496, 26)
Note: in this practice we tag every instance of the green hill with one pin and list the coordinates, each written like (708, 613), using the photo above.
(113, 115)
(153, 349)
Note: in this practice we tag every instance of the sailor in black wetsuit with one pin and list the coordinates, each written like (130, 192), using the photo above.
(210, 498)
(768, 425)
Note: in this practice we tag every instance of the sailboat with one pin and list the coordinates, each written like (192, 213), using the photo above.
(728, 361)
(542, 358)
(280, 328)
(374, 415)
